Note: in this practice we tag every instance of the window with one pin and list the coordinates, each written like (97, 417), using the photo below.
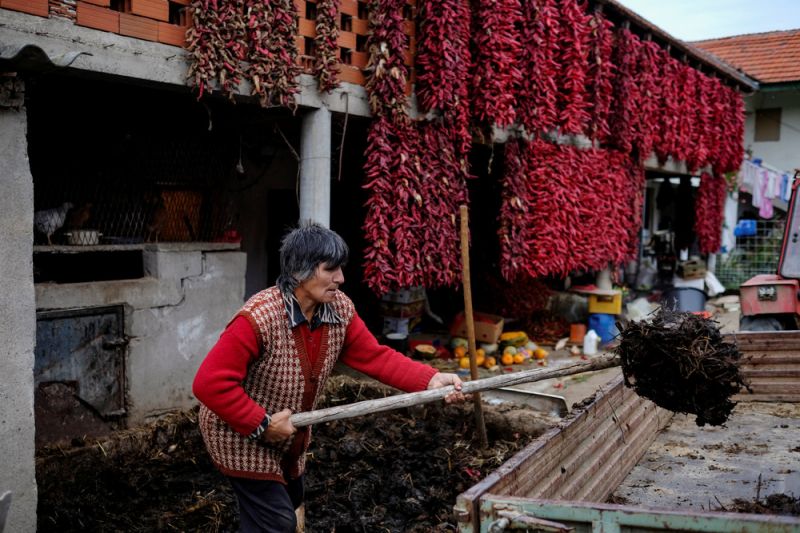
(768, 125)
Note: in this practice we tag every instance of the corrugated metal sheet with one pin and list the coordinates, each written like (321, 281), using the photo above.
(585, 458)
(771, 364)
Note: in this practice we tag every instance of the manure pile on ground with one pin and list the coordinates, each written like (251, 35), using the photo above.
(681, 362)
(398, 471)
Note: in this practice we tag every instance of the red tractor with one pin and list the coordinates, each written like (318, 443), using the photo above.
(772, 301)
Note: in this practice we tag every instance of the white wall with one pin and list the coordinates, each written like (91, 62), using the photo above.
(785, 153)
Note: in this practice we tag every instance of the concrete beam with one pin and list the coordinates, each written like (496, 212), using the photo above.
(139, 293)
(88, 50)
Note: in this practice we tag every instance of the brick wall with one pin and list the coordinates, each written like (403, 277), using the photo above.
(166, 21)
(353, 29)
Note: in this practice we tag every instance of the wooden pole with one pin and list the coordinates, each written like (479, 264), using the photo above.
(468, 318)
(410, 399)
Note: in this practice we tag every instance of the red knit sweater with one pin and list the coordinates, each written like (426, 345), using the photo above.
(218, 383)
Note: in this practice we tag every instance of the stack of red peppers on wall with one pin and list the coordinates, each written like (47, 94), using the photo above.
(566, 208)
(415, 169)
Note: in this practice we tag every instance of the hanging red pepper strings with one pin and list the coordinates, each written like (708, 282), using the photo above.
(537, 96)
(516, 231)
(388, 74)
(236, 40)
(415, 171)
(648, 80)
(443, 64)
(555, 199)
(442, 59)
(601, 75)
(326, 45)
(273, 68)
(574, 101)
(685, 123)
(709, 211)
(666, 138)
(496, 73)
(624, 112)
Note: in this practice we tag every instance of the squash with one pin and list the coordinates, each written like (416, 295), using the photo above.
(425, 351)
(514, 338)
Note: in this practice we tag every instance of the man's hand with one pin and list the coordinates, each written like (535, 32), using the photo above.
(280, 427)
(442, 380)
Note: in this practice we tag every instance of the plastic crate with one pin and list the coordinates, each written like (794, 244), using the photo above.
(609, 304)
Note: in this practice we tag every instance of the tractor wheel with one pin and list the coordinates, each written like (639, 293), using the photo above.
(760, 323)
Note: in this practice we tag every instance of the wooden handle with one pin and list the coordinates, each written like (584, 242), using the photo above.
(416, 398)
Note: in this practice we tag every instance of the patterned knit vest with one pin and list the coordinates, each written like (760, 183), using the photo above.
(281, 378)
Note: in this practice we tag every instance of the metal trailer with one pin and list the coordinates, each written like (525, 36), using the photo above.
(561, 481)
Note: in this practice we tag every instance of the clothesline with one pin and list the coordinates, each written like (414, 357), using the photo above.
(764, 183)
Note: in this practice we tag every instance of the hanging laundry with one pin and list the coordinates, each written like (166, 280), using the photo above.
(759, 184)
(765, 209)
(749, 175)
(770, 191)
(784, 187)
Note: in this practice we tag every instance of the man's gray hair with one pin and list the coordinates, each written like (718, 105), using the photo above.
(306, 247)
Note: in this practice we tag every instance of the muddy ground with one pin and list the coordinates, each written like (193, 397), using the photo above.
(397, 471)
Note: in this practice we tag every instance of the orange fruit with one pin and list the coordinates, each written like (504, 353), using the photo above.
(519, 359)
(459, 351)
(507, 359)
(480, 359)
(540, 353)
(463, 362)
(490, 362)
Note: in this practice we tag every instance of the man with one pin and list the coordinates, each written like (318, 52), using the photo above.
(273, 359)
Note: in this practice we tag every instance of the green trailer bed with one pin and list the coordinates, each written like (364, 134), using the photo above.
(565, 478)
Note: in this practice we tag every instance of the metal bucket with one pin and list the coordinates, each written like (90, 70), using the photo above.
(684, 299)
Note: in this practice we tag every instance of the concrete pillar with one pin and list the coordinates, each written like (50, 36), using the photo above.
(731, 217)
(18, 309)
(315, 167)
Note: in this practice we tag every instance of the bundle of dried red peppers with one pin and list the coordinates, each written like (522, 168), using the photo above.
(326, 45)
(566, 209)
(709, 212)
(496, 70)
(415, 169)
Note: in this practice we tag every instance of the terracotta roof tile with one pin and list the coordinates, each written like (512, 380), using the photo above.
(772, 57)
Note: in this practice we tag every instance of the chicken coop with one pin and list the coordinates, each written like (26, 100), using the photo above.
(167, 195)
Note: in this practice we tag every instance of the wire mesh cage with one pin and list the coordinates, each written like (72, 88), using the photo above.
(151, 193)
(754, 254)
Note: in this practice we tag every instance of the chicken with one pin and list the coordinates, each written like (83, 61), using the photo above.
(157, 217)
(79, 216)
(48, 221)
